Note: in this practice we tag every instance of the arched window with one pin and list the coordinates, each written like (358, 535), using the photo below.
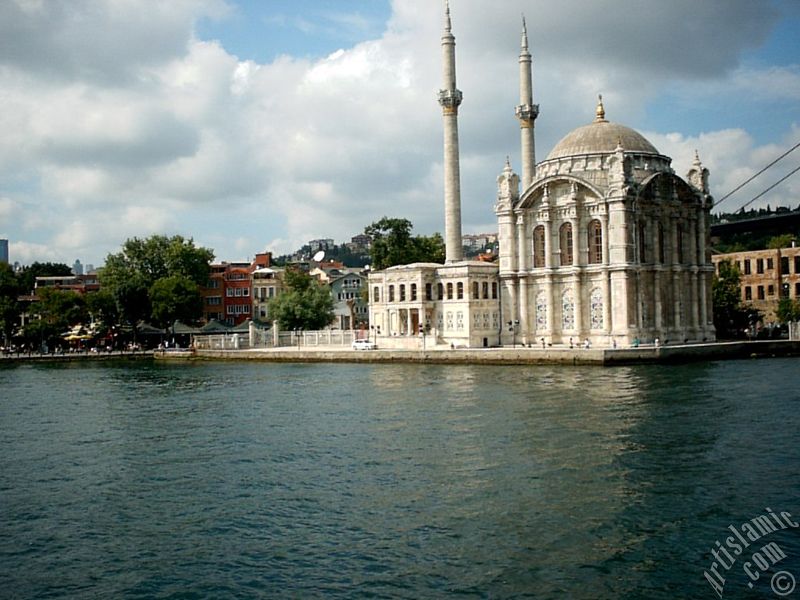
(413, 292)
(595, 233)
(538, 246)
(642, 242)
(460, 290)
(439, 291)
(376, 294)
(449, 291)
(660, 243)
(476, 290)
(565, 244)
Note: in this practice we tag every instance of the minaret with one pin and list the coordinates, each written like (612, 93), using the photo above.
(527, 111)
(450, 98)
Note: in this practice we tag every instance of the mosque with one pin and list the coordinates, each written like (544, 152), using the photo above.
(600, 241)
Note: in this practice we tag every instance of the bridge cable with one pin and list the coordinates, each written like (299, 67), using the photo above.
(741, 185)
(781, 180)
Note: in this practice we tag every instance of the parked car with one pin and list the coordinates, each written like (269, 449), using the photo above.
(364, 345)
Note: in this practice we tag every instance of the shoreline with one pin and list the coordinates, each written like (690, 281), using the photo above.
(672, 354)
(557, 355)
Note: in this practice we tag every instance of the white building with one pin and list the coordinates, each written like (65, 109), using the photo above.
(600, 241)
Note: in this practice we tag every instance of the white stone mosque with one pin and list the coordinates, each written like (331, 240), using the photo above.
(601, 242)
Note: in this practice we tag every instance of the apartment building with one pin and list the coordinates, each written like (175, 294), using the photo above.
(766, 277)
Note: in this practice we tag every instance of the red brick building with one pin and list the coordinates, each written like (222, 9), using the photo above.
(228, 295)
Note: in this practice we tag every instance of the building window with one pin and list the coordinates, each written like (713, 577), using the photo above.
(759, 265)
(760, 291)
(680, 243)
(797, 290)
(747, 266)
(376, 294)
(785, 265)
(413, 292)
(595, 233)
(485, 289)
(770, 264)
(494, 290)
(538, 246)
(476, 290)
(229, 292)
(391, 293)
(449, 291)
(428, 291)
(770, 290)
(748, 293)
(661, 253)
(642, 242)
(440, 291)
(565, 244)
(402, 292)
(460, 290)
(796, 265)
(785, 290)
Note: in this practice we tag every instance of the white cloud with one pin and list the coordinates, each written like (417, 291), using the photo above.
(118, 122)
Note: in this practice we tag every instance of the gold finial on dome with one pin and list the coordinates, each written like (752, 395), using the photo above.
(600, 113)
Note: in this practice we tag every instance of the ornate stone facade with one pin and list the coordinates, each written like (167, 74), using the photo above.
(607, 243)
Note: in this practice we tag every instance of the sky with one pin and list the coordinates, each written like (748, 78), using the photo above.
(256, 126)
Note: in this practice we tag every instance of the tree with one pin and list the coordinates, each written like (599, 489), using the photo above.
(9, 307)
(57, 310)
(175, 298)
(392, 244)
(131, 276)
(730, 317)
(155, 258)
(305, 304)
(788, 310)
(102, 308)
(780, 241)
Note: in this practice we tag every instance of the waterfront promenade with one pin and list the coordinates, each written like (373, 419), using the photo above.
(75, 356)
(516, 356)
(678, 353)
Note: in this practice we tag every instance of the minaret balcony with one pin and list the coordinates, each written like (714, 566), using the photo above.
(450, 98)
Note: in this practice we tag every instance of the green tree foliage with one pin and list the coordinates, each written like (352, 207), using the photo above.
(155, 258)
(9, 307)
(730, 317)
(780, 241)
(56, 311)
(175, 298)
(102, 308)
(788, 310)
(393, 244)
(305, 305)
(131, 275)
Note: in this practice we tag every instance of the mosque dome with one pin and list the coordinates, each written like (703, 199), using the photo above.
(600, 137)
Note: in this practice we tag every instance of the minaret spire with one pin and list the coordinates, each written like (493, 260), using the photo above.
(527, 111)
(450, 99)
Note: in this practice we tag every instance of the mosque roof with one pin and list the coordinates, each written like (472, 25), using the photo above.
(601, 136)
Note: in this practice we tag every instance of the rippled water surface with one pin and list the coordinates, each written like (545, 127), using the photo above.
(222, 480)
